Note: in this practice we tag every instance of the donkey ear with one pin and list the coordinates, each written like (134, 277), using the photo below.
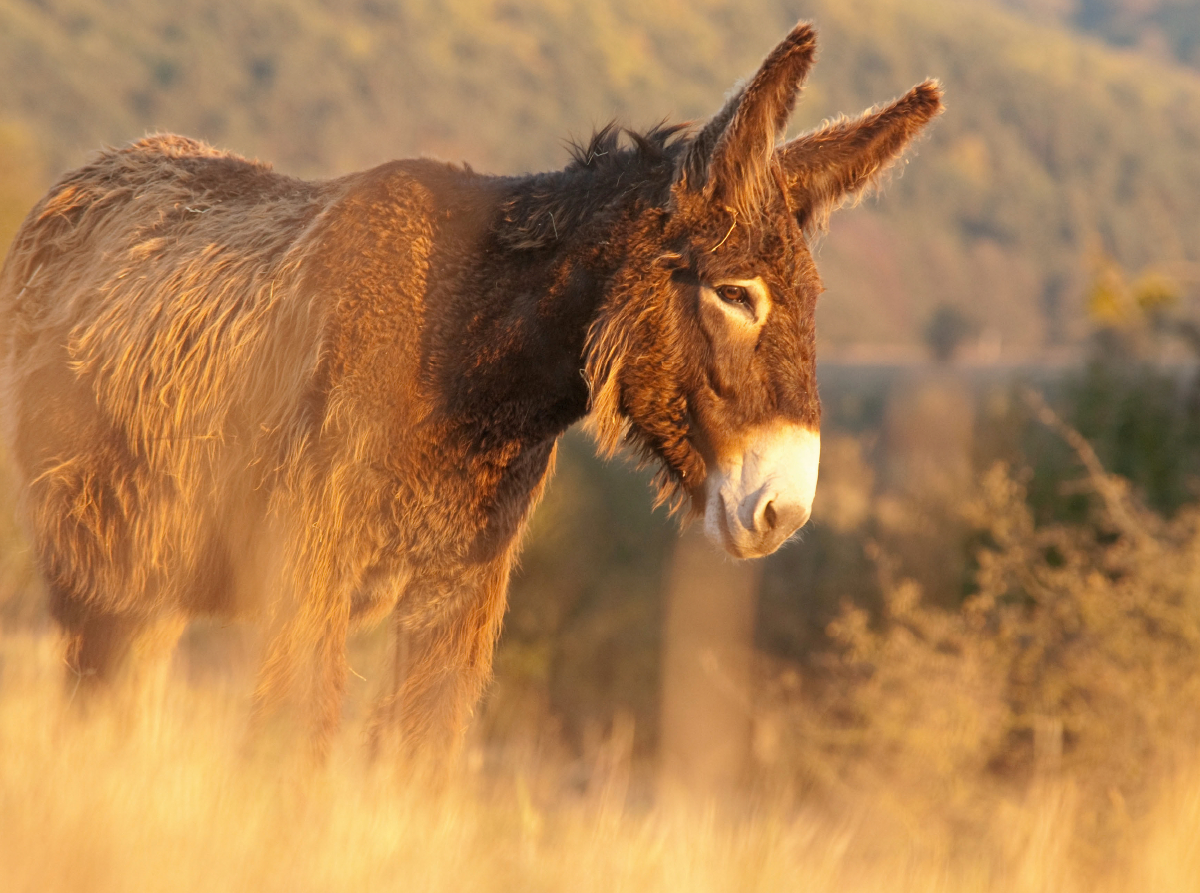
(841, 159)
(728, 161)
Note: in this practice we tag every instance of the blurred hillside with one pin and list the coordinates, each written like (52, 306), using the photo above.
(1165, 29)
(1054, 148)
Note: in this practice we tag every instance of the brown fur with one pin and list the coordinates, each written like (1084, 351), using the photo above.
(231, 392)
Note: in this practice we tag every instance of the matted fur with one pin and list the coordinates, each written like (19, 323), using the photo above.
(235, 393)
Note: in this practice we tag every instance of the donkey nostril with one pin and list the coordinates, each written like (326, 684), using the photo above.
(769, 516)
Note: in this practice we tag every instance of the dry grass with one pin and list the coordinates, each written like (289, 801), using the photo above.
(173, 801)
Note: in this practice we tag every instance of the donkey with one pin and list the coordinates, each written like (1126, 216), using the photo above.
(321, 404)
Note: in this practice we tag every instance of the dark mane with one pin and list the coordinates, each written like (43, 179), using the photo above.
(544, 209)
(604, 149)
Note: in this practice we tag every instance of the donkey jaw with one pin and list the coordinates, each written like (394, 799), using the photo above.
(760, 495)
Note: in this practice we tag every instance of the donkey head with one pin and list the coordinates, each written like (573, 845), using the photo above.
(703, 354)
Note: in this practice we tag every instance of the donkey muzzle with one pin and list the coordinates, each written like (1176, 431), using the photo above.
(760, 495)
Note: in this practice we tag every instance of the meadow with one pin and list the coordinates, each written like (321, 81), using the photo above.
(174, 803)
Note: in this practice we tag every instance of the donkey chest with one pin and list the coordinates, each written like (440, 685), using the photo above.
(465, 506)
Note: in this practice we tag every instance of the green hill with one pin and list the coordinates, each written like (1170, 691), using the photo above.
(1053, 147)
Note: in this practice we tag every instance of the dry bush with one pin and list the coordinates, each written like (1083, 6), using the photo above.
(1074, 661)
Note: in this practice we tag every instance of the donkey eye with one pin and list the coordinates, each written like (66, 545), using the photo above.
(734, 294)
(745, 301)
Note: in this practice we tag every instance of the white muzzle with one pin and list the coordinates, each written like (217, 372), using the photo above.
(760, 496)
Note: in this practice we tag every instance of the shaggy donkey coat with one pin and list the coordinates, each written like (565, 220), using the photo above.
(231, 392)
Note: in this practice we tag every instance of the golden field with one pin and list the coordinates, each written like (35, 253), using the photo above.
(174, 803)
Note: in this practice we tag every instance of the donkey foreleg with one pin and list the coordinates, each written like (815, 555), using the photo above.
(304, 673)
(443, 637)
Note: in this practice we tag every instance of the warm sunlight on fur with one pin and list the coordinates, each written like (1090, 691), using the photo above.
(227, 392)
(273, 438)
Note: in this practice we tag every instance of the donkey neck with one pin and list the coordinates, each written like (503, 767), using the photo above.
(509, 356)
